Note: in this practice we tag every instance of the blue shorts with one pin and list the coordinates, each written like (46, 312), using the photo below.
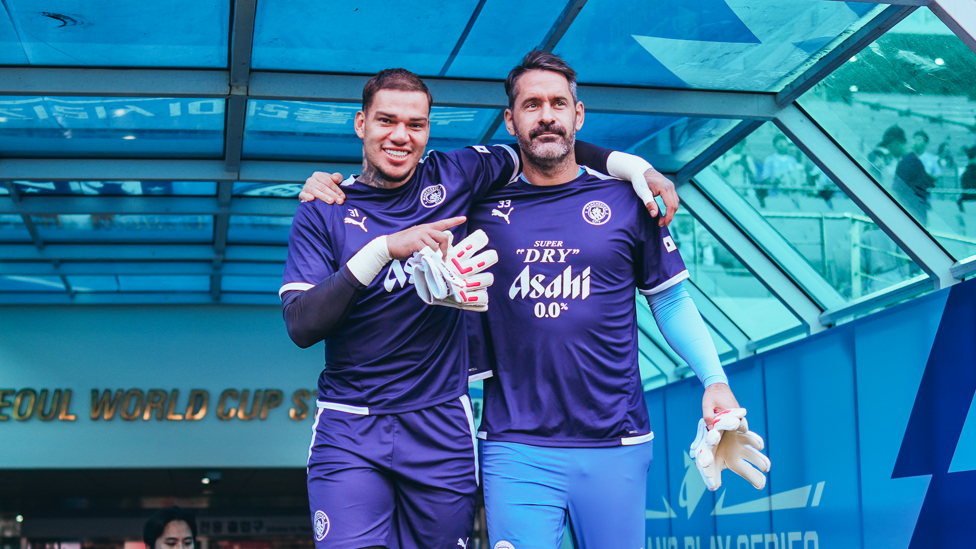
(403, 481)
(531, 490)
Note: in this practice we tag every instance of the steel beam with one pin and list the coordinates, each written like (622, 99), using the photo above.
(818, 69)
(962, 269)
(867, 194)
(292, 172)
(562, 24)
(892, 2)
(464, 36)
(752, 257)
(134, 298)
(739, 132)
(242, 37)
(139, 268)
(960, 16)
(148, 205)
(769, 239)
(139, 252)
(42, 81)
(893, 294)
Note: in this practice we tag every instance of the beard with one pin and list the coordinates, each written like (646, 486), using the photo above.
(546, 154)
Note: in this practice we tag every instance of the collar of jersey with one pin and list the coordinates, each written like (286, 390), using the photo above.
(582, 172)
(353, 183)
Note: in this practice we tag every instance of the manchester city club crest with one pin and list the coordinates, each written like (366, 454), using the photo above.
(321, 525)
(596, 213)
(433, 195)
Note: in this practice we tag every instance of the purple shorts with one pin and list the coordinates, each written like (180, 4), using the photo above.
(402, 481)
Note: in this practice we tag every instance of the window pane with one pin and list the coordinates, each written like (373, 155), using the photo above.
(810, 212)
(117, 188)
(903, 108)
(301, 130)
(31, 284)
(175, 33)
(260, 284)
(124, 228)
(170, 283)
(258, 229)
(111, 127)
(363, 38)
(714, 44)
(667, 142)
(12, 229)
(275, 190)
(720, 276)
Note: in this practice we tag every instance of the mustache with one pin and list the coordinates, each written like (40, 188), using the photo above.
(550, 127)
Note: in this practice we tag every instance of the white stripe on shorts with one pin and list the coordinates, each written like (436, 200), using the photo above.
(315, 428)
(358, 410)
(640, 439)
(466, 403)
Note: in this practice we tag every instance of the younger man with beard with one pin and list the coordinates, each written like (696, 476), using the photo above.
(565, 425)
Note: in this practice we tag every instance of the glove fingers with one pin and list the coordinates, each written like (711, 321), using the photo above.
(478, 282)
(470, 245)
(748, 472)
(743, 425)
(473, 264)
(759, 460)
(753, 440)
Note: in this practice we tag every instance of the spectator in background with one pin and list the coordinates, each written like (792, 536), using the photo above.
(779, 169)
(929, 161)
(884, 157)
(172, 528)
(737, 167)
(911, 185)
(968, 180)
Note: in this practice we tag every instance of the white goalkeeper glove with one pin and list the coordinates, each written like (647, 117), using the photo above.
(460, 281)
(729, 445)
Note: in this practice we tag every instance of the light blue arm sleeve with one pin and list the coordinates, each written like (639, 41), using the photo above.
(686, 333)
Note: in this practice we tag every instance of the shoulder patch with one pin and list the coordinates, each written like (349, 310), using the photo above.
(481, 148)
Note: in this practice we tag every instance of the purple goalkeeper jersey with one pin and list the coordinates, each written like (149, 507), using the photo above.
(393, 353)
(562, 321)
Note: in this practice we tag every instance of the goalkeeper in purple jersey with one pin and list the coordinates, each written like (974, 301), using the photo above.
(391, 462)
(565, 428)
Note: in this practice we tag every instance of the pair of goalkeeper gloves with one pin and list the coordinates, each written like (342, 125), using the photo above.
(458, 281)
(729, 445)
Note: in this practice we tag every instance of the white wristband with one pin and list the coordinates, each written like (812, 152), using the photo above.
(631, 168)
(368, 262)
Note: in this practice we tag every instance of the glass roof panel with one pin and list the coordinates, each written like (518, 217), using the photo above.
(258, 229)
(711, 44)
(117, 188)
(497, 41)
(261, 284)
(273, 190)
(772, 177)
(115, 34)
(124, 228)
(666, 142)
(12, 229)
(111, 127)
(291, 130)
(169, 283)
(904, 109)
(31, 284)
(721, 277)
(363, 38)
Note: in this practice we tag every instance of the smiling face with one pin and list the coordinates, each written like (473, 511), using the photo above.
(394, 133)
(176, 535)
(544, 118)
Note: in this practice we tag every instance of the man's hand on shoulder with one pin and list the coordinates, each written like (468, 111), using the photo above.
(325, 187)
(663, 187)
(718, 398)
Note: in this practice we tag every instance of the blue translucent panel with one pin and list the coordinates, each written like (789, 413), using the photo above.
(498, 41)
(99, 283)
(666, 142)
(365, 37)
(111, 127)
(811, 213)
(263, 284)
(12, 229)
(903, 108)
(31, 284)
(724, 280)
(117, 188)
(258, 229)
(295, 130)
(176, 33)
(712, 44)
(169, 283)
(278, 190)
(124, 228)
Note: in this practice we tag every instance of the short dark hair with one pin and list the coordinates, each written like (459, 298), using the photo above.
(394, 79)
(538, 60)
(892, 134)
(778, 137)
(923, 134)
(154, 527)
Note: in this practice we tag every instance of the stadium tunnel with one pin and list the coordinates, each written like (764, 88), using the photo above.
(151, 155)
